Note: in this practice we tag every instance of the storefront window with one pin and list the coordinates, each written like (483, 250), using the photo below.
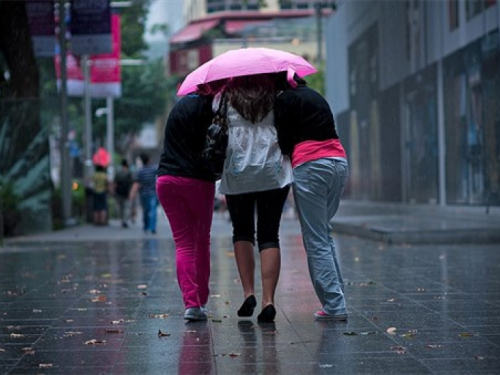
(453, 14)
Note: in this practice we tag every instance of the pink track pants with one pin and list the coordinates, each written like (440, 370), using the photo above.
(189, 204)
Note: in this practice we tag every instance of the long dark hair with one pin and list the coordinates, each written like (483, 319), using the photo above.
(253, 96)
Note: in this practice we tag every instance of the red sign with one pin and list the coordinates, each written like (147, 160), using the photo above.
(105, 71)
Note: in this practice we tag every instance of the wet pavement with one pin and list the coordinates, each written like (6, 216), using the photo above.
(105, 300)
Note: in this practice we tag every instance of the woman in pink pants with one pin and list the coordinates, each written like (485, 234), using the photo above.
(186, 189)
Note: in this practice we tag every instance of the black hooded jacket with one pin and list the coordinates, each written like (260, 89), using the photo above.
(184, 139)
(302, 114)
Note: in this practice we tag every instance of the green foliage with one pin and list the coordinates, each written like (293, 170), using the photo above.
(133, 26)
(9, 202)
(317, 81)
(145, 89)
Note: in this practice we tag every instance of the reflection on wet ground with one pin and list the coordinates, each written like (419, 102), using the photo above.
(114, 307)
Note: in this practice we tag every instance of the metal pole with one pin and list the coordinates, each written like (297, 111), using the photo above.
(64, 145)
(110, 135)
(88, 118)
(319, 31)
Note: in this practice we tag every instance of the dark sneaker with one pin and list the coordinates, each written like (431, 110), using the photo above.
(323, 316)
(195, 313)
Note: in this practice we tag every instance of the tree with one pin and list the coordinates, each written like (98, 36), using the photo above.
(24, 166)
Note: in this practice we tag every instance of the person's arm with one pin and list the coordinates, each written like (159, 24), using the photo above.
(285, 117)
(133, 190)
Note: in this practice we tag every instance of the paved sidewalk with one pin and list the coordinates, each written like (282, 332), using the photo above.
(419, 224)
(105, 300)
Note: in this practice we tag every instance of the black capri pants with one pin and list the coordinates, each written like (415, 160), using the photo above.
(269, 205)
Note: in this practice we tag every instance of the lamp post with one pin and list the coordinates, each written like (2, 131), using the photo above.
(65, 178)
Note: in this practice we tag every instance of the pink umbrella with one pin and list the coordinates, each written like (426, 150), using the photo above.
(246, 61)
(101, 157)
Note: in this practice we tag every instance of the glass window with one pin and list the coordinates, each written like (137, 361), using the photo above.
(473, 7)
(453, 14)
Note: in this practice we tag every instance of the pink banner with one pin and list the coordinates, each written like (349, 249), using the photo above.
(105, 71)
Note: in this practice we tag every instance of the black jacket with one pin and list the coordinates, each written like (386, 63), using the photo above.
(302, 114)
(185, 134)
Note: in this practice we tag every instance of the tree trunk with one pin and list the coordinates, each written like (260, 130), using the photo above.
(16, 46)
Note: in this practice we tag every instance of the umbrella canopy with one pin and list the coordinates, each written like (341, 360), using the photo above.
(246, 61)
(101, 157)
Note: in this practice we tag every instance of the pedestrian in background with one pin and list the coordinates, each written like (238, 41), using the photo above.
(145, 184)
(123, 184)
(256, 177)
(100, 186)
(306, 130)
(186, 190)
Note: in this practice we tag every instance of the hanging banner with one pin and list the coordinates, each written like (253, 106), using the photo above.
(105, 70)
(90, 27)
(42, 26)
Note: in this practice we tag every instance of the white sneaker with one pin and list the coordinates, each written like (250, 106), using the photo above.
(195, 313)
(323, 316)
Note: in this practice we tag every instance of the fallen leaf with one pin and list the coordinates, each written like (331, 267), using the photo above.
(101, 298)
(72, 333)
(95, 342)
(391, 330)
(112, 331)
(234, 354)
(162, 334)
(159, 316)
(399, 349)
(94, 291)
(117, 321)
(466, 334)
(410, 333)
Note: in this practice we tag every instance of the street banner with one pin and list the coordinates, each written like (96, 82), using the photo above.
(91, 27)
(105, 70)
(42, 26)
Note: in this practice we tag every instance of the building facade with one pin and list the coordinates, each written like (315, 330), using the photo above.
(415, 87)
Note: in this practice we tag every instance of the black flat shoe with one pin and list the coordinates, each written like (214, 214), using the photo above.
(247, 308)
(267, 314)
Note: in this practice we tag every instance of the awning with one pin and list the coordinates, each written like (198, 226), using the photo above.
(236, 26)
(193, 31)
